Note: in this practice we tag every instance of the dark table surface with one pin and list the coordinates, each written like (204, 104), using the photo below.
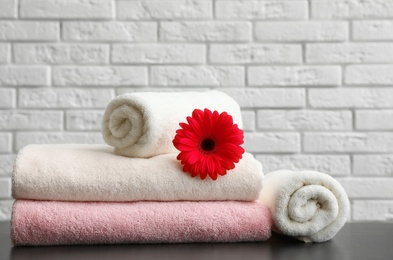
(355, 241)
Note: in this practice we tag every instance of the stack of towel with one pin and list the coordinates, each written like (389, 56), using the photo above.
(135, 191)
(138, 192)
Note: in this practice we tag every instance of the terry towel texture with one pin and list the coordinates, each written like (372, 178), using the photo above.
(310, 206)
(144, 124)
(93, 173)
(65, 223)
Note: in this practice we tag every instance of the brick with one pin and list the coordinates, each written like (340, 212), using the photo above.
(4, 51)
(349, 53)
(29, 31)
(24, 76)
(197, 76)
(304, 120)
(248, 120)
(84, 119)
(99, 76)
(340, 9)
(6, 164)
(294, 76)
(373, 30)
(5, 188)
(30, 53)
(373, 165)
(25, 138)
(348, 142)
(372, 210)
(256, 53)
(110, 31)
(261, 9)
(7, 98)
(369, 74)
(158, 53)
(8, 9)
(5, 210)
(268, 97)
(290, 31)
(64, 98)
(164, 9)
(30, 120)
(272, 142)
(66, 9)
(351, 98)
(5, 142)
(334, 165)
(121, 91)
(370, 188)
(374, 119)
(205, 31)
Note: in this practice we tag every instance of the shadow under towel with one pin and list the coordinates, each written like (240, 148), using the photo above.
(67, 223)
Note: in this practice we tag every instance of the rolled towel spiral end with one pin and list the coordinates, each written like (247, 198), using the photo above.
(310, 206)
(121, 125)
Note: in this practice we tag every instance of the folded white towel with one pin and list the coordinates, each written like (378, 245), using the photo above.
(310, 206)
(143, 124)
(94, 173)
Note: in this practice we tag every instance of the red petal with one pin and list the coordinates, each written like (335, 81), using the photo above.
(196, 127)
(184, 148)
(193, 158)
(213, 175)
(187, 141)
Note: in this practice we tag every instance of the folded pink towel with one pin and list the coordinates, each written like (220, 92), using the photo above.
(66, 223)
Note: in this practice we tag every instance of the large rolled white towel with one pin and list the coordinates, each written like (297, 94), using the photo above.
(308, 205)
(143, 124)
(95, 173)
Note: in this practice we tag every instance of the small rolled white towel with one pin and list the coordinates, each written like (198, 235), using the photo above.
(94, 173)
(143, 124)
(308, 205)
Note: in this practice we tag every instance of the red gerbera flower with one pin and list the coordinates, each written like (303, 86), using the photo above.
(209, 144)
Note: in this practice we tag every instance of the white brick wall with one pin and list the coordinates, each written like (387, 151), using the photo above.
(158, 53)
(255, 9)
(304, 120)
(308, 31)
(335, 165)
(211, 31)
(5, 142)
(6, 164)
(50, 53)
(346, 9)
(314, 78)
(65, 9)
(197, 76)
(8, 9)
(167, 9)
(7, 97)
(255, 53)
(25, 138)
(109, 31)
(84, 120)
(29, 31)
(24, 76)
(294, 76)
(341, 53)
(373, 30)
(112, 76)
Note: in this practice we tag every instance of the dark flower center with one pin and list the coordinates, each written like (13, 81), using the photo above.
(207, 144)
